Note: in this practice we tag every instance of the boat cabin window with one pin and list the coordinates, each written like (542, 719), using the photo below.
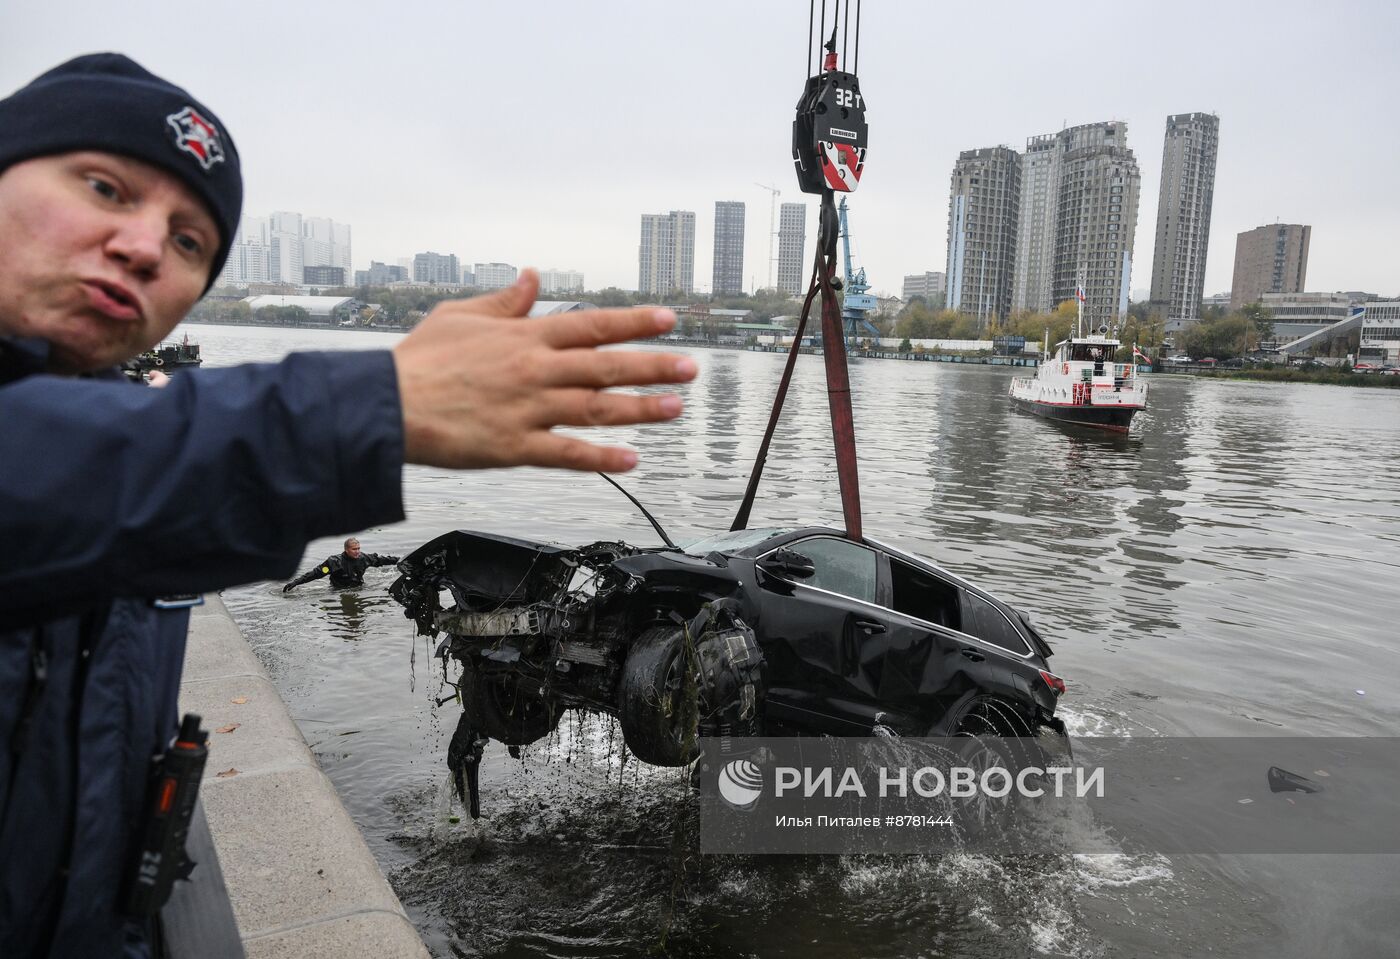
(923, 596)
(842, 567)
(1091, 352)
(986, 622)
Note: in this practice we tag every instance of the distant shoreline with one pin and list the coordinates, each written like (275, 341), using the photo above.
(336, 327)
(1295, 375)
(1290, 375)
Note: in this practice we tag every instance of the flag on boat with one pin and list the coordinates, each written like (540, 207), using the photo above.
(1079, 293)
(1139, 353)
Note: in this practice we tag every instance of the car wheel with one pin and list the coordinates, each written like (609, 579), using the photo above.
(981, 812)
(501, 710)
(988, 735)
(658, 724)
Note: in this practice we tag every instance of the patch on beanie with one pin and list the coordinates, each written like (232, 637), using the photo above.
(197, 136)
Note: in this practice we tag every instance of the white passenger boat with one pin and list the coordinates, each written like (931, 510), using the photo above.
(1082, 384)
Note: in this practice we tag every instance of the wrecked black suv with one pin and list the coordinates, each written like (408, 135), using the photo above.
(752, 632)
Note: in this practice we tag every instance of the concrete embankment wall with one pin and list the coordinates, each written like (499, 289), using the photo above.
(301, 879)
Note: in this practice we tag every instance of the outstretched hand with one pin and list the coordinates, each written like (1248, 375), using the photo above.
(483, 386)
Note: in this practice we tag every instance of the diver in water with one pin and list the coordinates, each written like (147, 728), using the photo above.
(345, 569)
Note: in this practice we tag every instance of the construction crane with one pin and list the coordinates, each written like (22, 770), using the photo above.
(772, 226)
(857, 301)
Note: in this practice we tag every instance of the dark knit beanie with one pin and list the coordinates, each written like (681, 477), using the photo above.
(108, 102)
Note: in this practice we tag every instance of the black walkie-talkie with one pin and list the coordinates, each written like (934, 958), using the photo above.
(160, 857)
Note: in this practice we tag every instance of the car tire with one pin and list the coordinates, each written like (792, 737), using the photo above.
(987, 734)
(982, 813)
(501, 710)
(650, 702)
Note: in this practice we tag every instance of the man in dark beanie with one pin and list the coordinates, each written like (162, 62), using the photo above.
(105, 124)
(119, 198)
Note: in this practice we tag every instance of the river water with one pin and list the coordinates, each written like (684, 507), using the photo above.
(1232, 567)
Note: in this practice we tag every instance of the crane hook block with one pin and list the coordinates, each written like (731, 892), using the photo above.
(829, 134)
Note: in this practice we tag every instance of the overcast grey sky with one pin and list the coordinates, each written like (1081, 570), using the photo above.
(536, 133)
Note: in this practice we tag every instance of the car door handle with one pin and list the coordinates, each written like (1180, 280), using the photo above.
(972, 654)
(871, 625)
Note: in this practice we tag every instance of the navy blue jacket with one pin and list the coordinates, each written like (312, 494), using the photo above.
(111, 495)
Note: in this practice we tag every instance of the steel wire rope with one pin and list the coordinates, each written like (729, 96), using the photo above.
(856, 68)
(845, 34)
(807, 63)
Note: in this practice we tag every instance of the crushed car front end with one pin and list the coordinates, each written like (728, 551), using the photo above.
(611, 628)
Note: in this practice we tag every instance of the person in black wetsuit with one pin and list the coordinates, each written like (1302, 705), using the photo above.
(346, 569)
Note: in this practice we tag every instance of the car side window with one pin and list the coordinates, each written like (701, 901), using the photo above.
(924, 596)
(842, 567)
(986, 622)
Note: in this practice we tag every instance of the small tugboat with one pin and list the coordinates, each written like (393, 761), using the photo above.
(166, 357)
(1082, 383)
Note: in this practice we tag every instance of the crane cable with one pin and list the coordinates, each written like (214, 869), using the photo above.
(833, 331)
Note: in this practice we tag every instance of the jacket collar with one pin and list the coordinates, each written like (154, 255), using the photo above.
(22, 356)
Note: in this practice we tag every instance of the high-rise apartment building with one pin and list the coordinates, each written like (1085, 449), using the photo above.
(1183, 216)
(1032, 286)
(666, 254)
(1025, 231)
(436, 268)
(983, 209)
(1270, 259)
(278, 248)
(248, 257)
(728, 275)
(325, 242)
(1099, 184)
(656, 254)
(685, 251)
(561, 281)
(1079, 199)
(932, 287)
(792, 248)
(495, 276)
(285, 245)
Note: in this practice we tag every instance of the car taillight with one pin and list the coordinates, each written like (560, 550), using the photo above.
(1056, 684)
